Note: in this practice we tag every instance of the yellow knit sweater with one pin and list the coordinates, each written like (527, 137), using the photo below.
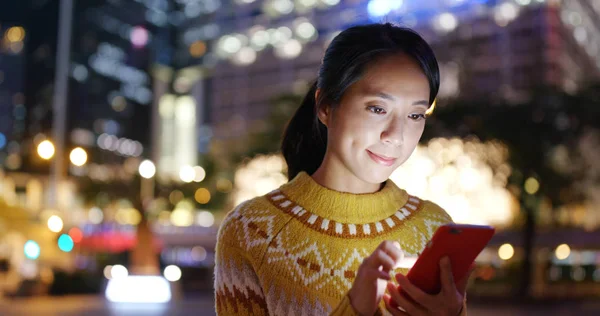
(296, 250)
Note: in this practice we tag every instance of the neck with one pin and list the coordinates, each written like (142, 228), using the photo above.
(337, 177)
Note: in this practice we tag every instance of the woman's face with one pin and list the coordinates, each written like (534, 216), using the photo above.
(379, 120)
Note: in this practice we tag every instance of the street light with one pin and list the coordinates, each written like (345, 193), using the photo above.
(46, 149)
(78, 156)
(55, 223)
(147, 169)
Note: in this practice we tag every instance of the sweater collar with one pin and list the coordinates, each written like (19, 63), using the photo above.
(344, 207)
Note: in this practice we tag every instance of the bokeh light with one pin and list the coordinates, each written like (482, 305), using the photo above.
(506, 251)
(31, 250)
(76, 234)
(259, 176)
(78, 156)
(65, 243)
(202, 196)
(45, 149)
(562, 252)
(467, 178)
(55, 223)
(118, 271)
(172, 273)
(147, 169)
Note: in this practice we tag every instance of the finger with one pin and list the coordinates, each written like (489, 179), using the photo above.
(403, 302)
(389, 305)
(393, 250)
(373, 273)
(380, 258)
(447, 279)
(461, 286)
(414, 292)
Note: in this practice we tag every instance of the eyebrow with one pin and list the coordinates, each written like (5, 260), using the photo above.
(390, 97)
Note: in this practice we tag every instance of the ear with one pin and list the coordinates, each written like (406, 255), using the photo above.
(323, 111)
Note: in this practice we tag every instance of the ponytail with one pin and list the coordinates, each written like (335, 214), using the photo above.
(305, 138)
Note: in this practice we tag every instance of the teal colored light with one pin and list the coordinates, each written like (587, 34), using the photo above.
(65, 243)
(31, 249)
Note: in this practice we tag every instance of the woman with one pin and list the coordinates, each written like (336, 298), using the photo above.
(328, 241)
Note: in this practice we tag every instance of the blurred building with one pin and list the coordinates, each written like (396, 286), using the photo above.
(261, 49)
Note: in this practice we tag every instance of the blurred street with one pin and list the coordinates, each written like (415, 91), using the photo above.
(203, 305)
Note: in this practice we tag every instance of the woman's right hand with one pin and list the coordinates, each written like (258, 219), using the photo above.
(372, 277)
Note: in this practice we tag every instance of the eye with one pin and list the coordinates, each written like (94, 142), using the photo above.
(417, 117)
(376, 109)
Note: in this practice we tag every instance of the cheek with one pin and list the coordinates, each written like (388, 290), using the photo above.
(355, 133)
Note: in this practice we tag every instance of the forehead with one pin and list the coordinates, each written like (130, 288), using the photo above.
(397, 74)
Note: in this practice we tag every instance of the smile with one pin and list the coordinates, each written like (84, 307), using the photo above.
(382, 160)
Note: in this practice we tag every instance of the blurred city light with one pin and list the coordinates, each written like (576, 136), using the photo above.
(95, 215)
(446, 22)
(15, 34)
(523, 2)
(76, 234)
(182, 217)
(334, 2)
(138, 289)
(187, 174)
(108, 272)
(199, 174)
(259, 176)
(175, 196)
(31, 250)
(205, 219)
(197, 49)
(118, 271)
(379, 8)
(2, 141)
(172, 273)
(224, 185)
(562, 252)
(305, 30)
(45, 149)
(139, 36)
(532, 185)
(65, 243)
(505, 13)
(506, 251)
(245, 56)
(288, 50)
(78, 156)
(147, 169)
(465, 177)
(55, 223)
(202, 195)
(198, 253)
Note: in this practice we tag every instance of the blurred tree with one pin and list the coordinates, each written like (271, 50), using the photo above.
(533, 131)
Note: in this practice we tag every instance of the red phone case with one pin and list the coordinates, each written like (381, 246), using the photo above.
(461, 243)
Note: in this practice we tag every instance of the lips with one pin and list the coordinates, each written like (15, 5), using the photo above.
(382, 160)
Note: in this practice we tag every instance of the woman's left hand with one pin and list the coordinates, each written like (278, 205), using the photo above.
(449, 302)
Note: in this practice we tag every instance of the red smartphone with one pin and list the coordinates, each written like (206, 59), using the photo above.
(461, 243)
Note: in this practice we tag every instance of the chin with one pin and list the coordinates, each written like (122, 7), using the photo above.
(376, 175)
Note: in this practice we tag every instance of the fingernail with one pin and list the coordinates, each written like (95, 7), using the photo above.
(397, 244)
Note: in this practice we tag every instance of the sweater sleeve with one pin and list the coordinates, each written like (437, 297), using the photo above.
(237, 286)
(237, 289)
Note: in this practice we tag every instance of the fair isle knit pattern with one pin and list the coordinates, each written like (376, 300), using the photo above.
(296, 250)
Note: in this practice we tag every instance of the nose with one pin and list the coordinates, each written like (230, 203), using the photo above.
(393, 134)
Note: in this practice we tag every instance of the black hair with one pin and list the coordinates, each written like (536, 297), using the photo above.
(345, 61)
